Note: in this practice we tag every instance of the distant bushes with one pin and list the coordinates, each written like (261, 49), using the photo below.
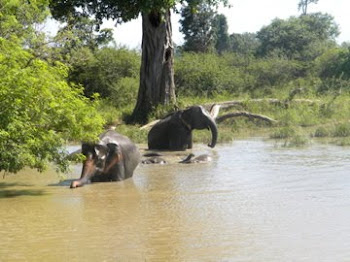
(207, 75)
(105, 70)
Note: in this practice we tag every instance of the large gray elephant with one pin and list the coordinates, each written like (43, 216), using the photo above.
(113, 158)
(174, 132)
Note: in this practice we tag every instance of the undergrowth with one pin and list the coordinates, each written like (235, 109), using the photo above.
(297, 121)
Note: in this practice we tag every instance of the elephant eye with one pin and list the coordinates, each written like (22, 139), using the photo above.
(100, 163)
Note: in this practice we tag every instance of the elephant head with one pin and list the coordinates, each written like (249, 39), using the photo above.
(196, 117)
(174, 132)
(114, 158)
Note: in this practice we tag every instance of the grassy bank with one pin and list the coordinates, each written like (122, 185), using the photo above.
(299, 119)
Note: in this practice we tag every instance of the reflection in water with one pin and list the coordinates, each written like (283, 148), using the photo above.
(253, 202)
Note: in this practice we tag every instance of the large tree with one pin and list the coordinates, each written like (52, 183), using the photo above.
(221, 32)
(197, 27)
(156, 73)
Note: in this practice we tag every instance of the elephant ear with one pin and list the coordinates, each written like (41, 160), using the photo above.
(113, 148)
(101, 151)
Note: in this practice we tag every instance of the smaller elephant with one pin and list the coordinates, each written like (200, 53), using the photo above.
(199, 159)
(151, 154)
(113, 158)
(174, 132)
(154, 160)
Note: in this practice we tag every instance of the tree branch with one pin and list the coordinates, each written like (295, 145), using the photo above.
(246, 114)
(228, 104)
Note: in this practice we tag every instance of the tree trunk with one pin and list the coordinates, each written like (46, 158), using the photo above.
(156, 74)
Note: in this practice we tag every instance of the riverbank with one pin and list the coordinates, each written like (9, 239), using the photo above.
(298, 121)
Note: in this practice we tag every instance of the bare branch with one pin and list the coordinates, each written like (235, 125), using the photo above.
(228, 104)
(246, 114)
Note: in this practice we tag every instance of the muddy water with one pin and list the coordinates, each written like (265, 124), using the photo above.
(253, 202)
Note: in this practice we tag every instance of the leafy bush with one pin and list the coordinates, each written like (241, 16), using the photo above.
(283, 132)
(39, 111)
(205, 75)
(322, 132)
(101, 71)
(342, 130)
(124, 92)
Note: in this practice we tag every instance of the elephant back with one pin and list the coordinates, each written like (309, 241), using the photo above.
(130, 153)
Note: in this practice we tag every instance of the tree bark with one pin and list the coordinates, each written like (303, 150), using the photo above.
(157, 73)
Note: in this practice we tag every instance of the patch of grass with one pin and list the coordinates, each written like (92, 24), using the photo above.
(283, 132)
(322, 132)
(343, 141)
(111, 114)
(342, 130)
(294, 120)
(297, 140)
(133, 132)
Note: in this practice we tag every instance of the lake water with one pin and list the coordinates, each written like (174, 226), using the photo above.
(254, 202)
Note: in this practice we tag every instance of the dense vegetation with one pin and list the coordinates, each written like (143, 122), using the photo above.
(69, 87)
(40, 110)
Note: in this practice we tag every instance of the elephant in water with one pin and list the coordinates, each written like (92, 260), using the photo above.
(154, 160)
(199, 159)
(174, 132)
(113, 158)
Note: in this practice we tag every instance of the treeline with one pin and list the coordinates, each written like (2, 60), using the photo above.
(299, 52)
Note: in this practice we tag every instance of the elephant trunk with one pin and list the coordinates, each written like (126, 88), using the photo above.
(89, 170)
(214, 131)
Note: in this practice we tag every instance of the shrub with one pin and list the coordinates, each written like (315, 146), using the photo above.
(39, 111)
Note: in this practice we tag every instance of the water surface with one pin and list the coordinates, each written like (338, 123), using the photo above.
(253, 202)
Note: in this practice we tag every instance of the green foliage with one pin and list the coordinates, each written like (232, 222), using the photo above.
(196, 25)
(322, 132)
(206, 75)
(270, 72)
(296, 141)
(18, 18)
(342, 130)
(283, 132)
(40, 111)
(244, 44)
(80, 32)
(133, 132)
(297, 37)
(124, 92)
(118, 10)
(334, 63)
(107, 71)
(221, 32)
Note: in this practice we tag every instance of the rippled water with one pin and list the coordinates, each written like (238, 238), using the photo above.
(254, 202)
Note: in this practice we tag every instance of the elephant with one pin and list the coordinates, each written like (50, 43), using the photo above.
(199, 159)
(113, 158)
(154, 160)
(174, 132)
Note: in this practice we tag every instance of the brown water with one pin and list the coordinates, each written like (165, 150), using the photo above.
(254, 202)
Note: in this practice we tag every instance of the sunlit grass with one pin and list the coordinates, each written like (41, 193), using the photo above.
(297, 122)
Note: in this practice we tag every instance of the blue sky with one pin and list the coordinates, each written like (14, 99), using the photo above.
(245, 16)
